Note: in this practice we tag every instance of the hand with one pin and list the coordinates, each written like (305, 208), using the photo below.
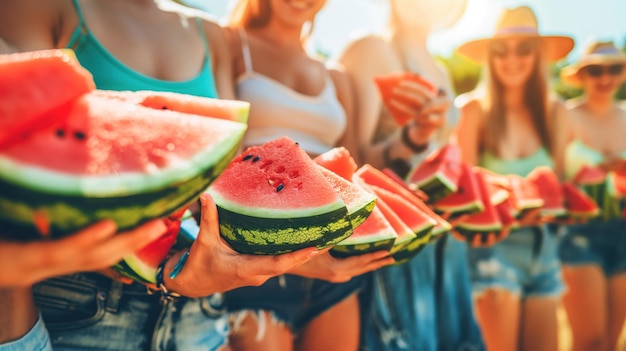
(338, 270)
(483, 239)
(213, 266)
(94, 248)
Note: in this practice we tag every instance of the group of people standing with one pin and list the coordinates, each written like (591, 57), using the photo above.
(451, 296)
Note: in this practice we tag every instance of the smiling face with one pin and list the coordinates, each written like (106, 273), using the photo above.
(295, 12)
(602, 80)
(513, 60)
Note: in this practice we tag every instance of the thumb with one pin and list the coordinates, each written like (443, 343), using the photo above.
(209, 221)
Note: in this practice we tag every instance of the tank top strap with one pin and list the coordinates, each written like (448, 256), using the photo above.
(205, 42)
(81, 30)
(245, 50)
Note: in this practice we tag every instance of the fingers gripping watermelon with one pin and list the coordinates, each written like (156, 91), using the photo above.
(274, 199)
(110, 159)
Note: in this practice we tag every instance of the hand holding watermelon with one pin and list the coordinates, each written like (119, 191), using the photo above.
(213, 266)
(94, 248)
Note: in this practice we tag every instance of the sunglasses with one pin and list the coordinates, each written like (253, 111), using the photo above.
(524, 48)
(599, 70)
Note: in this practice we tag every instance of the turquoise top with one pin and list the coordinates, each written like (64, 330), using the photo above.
(520, 166)
(578, 154)
(111, 74)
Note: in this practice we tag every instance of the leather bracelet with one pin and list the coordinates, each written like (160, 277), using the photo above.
(406, 140)
(167, 296)
(400, 166)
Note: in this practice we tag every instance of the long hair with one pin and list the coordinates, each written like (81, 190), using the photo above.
(535, 99)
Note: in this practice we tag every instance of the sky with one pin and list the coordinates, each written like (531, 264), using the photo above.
(342, 20)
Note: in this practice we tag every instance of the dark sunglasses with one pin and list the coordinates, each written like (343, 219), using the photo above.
(523, 48)
(599, 70)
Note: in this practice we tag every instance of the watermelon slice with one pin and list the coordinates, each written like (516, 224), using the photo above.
(386, 85)
(359, 202)
(34, 83)
(375, 177)
(550, 190)
(416, 220)
(478, 227)
(438, 175)
(395, 177)
(466, 200)
(273, 199)
(577, 203)
(616, 184)
(523, 194)
(233, 110)
(338, 160)
(404, 234)
(589, 175)
(110, 159)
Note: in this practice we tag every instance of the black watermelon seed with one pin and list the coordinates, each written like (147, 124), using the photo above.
(280, 187)
(60, 133)
(256, 158)
(247, 157)
(164, 108)
(79, 135)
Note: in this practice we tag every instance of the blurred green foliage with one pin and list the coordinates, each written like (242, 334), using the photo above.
(466, 74)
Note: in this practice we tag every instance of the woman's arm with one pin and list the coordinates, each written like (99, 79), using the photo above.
(221, 58)
(467, 132)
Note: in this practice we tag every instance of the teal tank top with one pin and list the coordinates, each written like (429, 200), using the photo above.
(111, 74)
(519, 166)
(578, 155)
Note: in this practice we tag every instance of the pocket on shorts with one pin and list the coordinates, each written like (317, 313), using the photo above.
(67, 303)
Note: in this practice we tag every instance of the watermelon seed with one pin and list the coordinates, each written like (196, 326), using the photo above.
(79, 135)
(256, 158)
(280, 187)
(60, 133)
(164, 108)
(247, 157)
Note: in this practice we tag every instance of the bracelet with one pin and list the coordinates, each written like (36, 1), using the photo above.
(168, 296)
(400, 166)
(406, 140)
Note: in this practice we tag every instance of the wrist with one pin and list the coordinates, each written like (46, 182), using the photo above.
(167, 271)
(407, 138)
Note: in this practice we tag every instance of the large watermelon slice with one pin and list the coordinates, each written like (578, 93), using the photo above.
(466, 199)
(34, 83)
(338, 160)
(523, 195)
(577, 203)
(233, 110)
(109, 159)
(274, 199)
(550, 190)
(438, 175)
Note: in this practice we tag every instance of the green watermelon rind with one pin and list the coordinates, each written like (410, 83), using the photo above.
(281, 234)
(117, 185)
(343, 250)
(67, 214)
(437, 186)
(132, 267)
(411, 249)
(469, 207)
(477, 229)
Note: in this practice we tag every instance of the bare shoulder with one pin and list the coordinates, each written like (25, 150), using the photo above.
(469, 103)
(372, 47)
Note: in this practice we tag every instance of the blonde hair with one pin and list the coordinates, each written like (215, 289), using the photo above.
(536, 99)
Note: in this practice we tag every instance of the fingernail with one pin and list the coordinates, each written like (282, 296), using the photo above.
(314, 253)
(203, 200)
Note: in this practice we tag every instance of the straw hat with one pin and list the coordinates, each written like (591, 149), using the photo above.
(596, 53)
(518, 22)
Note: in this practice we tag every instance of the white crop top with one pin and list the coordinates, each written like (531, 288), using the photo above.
(315, 122)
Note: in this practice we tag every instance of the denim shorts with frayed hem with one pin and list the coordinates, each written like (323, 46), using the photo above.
(90, 312)
(36, 339)
(526, 263)
(596, 243)
(290, 299)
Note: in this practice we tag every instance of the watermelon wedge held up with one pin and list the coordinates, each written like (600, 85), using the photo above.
(34, 83)
(338, 160)
(550, 190)
(438, 175)
(466, 199)
(110, 159)
(273, 199)
(387, 84)
(577, 203)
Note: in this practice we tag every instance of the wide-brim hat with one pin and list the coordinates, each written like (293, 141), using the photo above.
(596, 53)
(518, 22)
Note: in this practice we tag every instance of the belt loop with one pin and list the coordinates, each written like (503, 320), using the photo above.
(115, 294)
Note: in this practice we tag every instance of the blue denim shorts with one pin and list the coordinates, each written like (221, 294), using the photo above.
(596, 243)
(92, 312)
(526, 262)
(292, 300)
(36, 339)
(402, 311)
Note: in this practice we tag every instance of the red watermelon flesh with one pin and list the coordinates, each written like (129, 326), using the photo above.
(589, 175)
(507, 214)
(577, 203)
(387, 84)
(394, 176)
(466, 199)
(616, 184)
(550, 190)
(338, 160)
(232, 110)
(524, 194)
(373, 176)
(404, 234)
(34, 83)
(488, 220)
(438, 175)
